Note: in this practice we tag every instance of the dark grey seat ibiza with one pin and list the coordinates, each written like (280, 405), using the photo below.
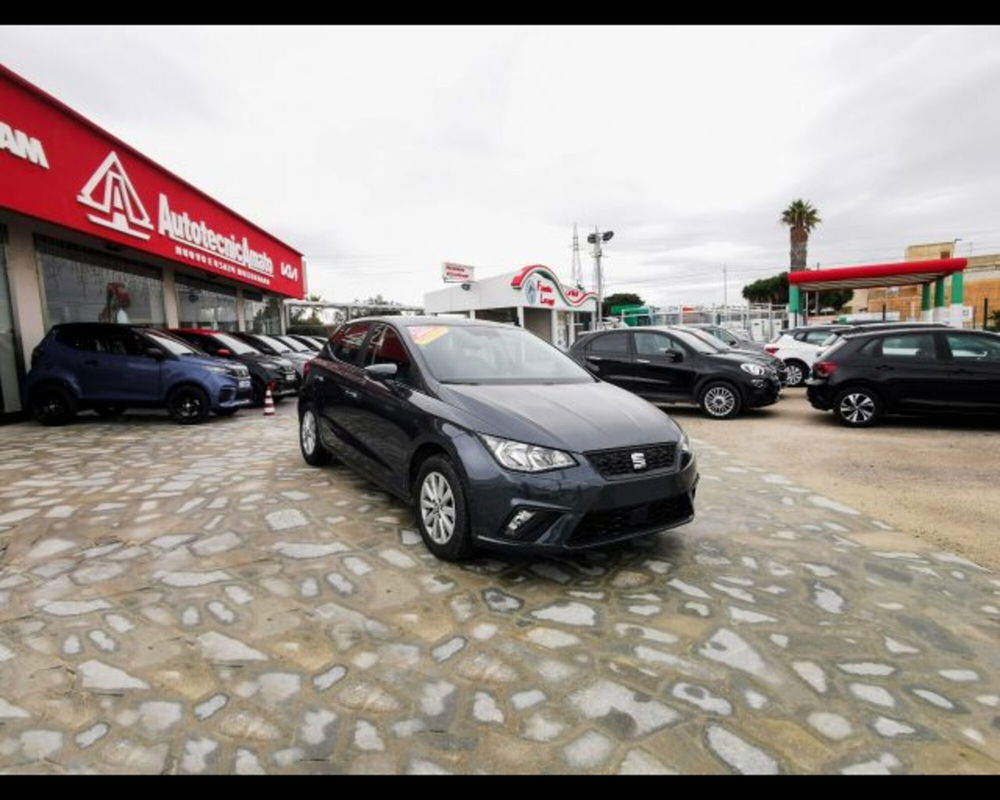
(496, 437)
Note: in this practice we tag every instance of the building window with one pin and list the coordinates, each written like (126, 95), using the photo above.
(204, 305)
(85, 286)
(10, 400)
(261, 314)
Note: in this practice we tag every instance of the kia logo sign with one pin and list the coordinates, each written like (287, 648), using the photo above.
(289, 271)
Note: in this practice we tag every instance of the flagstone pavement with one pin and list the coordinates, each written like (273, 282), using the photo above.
(198, 599)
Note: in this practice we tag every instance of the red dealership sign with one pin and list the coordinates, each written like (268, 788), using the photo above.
(57, 166)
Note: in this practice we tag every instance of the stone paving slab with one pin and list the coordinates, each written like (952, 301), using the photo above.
(199, 600)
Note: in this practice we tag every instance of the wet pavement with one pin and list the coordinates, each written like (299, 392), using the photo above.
(198, 599)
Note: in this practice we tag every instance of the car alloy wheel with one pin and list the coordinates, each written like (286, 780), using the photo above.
(795, 374)
(719, 401)
(856, 408)
(437, 507)
(308, 433)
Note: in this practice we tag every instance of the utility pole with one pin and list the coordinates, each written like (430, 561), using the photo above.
(595, 239)
(576, 269)
(725, 288)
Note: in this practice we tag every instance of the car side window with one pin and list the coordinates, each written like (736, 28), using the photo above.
(118, 342)
(909, 347)
(611, 343)
(385, 347)
(970, 347)
(344, 346)
(77, 338)
(653, 344)
(816, 337)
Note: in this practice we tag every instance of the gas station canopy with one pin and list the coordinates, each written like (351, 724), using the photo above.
(904, 273)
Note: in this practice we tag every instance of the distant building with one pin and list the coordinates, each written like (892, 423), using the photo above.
(533, 298)
(982, 283)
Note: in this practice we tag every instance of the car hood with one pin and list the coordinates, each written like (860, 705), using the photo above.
(577, 416)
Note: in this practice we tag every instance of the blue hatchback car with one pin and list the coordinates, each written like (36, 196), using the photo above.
(109, 368)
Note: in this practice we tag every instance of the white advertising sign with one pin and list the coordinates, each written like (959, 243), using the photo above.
(457, 273)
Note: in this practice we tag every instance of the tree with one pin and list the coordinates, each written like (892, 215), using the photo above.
(306, 316)
(800, 217)
(775, 290)
(376, 306)
(619, 299)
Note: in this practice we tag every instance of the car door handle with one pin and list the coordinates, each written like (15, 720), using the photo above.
(351, 393)
(594, 358)
(642, 361)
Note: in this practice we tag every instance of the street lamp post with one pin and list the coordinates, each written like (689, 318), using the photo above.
(595, 239)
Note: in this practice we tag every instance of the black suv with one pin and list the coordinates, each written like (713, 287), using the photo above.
(266, 371)
(868, 374)
(674, 366)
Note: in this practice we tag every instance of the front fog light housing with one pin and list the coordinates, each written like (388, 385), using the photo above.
(518, 521)
(522, 457)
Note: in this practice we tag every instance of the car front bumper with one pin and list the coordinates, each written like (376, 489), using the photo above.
(575, 508)
(766, 395)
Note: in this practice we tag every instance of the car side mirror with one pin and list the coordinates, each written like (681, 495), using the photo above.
(155, 352)
(223, 352)
(381, 372)
(673, 355)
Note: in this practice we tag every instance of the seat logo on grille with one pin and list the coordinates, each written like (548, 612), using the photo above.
(638, 461)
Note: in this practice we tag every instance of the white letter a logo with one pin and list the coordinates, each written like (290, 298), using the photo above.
(111, 192)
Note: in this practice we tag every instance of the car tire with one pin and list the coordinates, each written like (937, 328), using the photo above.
(857, 407)
(109, 411)
(441, 510)
(188, 405)
(313, 451)
(720, 400)
(797, 373)
(52, 405)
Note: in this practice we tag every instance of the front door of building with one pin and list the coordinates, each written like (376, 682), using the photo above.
(10, 389)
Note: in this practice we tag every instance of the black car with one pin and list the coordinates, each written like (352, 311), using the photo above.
(866, 375)
(270, 344)
(496, 437)
(723, 345)
(266, 371)
(734, 339)
(674, 366)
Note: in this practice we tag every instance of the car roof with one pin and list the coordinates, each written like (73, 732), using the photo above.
(427, 319)
(203, 331)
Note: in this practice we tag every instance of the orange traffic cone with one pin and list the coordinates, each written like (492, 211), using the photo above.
(268, 403)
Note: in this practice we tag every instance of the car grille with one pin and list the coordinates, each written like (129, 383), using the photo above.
(618, 522)
(612, 463)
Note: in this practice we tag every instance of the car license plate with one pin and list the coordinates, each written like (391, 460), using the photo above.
(244, 384)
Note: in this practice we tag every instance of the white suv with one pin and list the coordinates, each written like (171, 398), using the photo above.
(799, 348)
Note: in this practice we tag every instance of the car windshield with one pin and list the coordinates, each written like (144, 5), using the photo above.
(295, 344)
(714, 341)
(173, 346)
(486, 354)
(700, 342)
(274, 344)
(234, 345)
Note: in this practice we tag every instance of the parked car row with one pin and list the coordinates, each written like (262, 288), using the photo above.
(191, 372)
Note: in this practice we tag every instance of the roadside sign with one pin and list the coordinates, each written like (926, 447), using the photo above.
(457, 273)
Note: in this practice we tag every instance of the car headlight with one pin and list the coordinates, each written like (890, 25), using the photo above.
(218, 370)
(523, 457)
(753, 369)
(686, 452)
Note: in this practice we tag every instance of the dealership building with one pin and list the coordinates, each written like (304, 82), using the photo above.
(91, 230)
(532, 297)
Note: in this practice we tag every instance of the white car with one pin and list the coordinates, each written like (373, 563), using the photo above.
(799, 349)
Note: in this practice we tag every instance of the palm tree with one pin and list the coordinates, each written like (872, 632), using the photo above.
(801, 217)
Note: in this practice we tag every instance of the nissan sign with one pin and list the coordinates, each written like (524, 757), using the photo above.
(457, 273)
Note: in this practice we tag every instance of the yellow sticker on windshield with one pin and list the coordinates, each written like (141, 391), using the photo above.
(425, 334)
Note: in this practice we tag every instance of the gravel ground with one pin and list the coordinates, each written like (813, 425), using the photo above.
(936, 478)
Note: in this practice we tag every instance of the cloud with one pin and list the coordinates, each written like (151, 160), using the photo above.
(381, 152)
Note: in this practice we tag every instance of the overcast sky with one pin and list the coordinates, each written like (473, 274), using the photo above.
(381, 152)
